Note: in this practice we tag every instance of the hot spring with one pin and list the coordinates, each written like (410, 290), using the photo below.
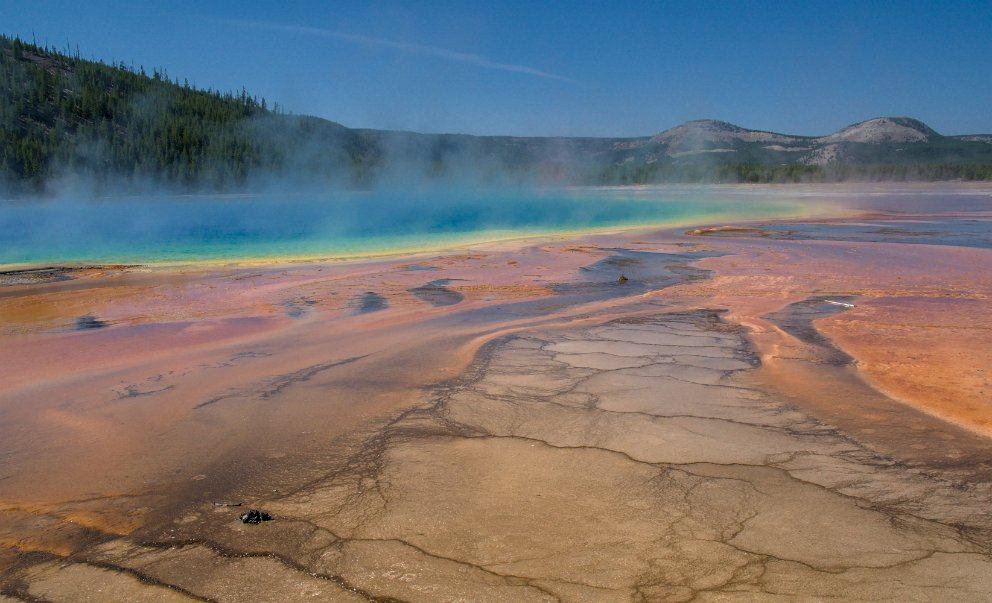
(341, 224)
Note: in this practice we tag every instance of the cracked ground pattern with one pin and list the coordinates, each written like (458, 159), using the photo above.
(629, 461)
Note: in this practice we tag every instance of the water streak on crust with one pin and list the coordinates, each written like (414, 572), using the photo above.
(276, 384)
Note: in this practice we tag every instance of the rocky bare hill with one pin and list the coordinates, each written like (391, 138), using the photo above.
(882, 141)
(884, 129)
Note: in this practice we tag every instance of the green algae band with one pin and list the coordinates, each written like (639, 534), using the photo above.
(210, 228)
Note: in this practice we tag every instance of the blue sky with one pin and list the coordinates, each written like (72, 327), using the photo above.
(582, 67)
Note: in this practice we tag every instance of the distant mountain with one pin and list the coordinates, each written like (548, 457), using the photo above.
(65, 121)
(884, 129)
(899, 147)
(704, 133)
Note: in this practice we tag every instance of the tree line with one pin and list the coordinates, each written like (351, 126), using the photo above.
(756, 173)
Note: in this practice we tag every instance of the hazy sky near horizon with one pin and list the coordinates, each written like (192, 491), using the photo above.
(583, 68)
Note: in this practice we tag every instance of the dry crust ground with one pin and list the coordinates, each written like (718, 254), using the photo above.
(631, 461)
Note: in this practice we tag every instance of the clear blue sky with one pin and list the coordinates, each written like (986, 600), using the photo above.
(580, 67)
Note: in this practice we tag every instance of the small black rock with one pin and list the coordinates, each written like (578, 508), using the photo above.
(88, 321)
(255, 516)
(623, 279)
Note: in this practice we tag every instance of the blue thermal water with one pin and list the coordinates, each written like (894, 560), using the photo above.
(217, 228)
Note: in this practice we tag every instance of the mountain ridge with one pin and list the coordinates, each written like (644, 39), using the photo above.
(702, 136)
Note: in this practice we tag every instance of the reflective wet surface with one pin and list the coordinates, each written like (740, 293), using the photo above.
(963, 232)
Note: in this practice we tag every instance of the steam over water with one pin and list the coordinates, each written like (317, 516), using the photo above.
(182, 229)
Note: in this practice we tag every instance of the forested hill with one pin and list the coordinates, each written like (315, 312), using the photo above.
(64, 117)
(66, 121)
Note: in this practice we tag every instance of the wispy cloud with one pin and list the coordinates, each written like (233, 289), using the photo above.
(411, 47)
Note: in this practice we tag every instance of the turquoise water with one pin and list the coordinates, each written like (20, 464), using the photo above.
(217, 228)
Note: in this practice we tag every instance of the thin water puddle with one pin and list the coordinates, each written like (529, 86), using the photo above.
(369, 302)
(797, 319)
(642, 271)
(957, 232)
(437, 294)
